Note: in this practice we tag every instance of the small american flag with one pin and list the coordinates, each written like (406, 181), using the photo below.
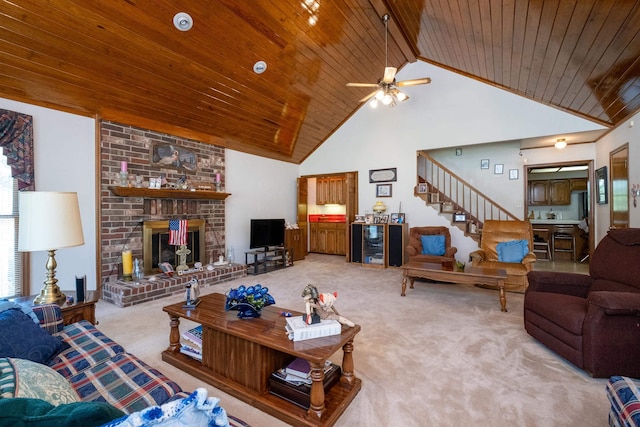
(178, 231)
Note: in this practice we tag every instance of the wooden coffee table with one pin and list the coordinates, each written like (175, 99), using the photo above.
(470, 275)
(239, 355)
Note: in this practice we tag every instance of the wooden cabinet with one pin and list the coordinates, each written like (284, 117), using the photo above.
(327, 238)
(578, 184)
(296, 240)
(559, 192)
(550, 192)
(331, 190)
(538, 193)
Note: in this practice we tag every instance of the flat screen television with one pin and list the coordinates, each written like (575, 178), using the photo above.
(266, 232)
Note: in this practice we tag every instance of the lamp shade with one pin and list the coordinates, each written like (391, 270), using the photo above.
(48, 221)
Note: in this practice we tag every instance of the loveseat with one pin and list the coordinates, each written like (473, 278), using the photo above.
(97, 369)
(592, 320)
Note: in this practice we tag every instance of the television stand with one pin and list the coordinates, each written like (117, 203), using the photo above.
(263, 260)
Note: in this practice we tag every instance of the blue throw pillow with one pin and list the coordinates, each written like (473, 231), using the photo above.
(512, 251)
(433, 244)
(21, 338)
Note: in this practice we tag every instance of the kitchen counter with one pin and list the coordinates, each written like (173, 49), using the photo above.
(327, 218)
(555, 221)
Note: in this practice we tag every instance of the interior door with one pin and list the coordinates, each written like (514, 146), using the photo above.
(619, 201)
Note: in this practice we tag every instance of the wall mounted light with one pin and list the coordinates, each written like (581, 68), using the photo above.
(560, 143)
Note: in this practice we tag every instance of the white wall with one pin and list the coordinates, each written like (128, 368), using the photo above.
(64, 156)
(260, 188)
(452, 111)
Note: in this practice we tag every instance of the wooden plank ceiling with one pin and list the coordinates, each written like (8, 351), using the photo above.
(124, 60)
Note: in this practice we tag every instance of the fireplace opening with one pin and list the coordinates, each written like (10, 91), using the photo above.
(156, 248)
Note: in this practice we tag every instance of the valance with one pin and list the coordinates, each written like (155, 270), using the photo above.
(16, 140)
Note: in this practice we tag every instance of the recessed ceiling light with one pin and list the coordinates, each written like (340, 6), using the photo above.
(183, 21)
(259, 67)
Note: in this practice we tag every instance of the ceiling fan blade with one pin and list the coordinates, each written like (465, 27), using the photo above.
(414, 82)
(368, 97)
(389, 74)
(362, 84)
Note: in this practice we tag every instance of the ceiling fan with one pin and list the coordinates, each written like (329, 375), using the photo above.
(387, 91)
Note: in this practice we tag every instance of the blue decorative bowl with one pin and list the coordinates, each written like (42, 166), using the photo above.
(248, 301)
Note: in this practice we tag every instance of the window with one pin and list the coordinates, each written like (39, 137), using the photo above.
(10, 258)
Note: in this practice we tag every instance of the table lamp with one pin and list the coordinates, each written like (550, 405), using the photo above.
(49, 221)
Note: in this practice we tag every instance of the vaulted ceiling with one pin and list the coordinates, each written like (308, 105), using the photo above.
(124, 60)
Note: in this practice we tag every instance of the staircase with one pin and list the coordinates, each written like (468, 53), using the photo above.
(452, 196)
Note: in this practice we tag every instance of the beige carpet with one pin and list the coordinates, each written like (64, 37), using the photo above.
(444, 355)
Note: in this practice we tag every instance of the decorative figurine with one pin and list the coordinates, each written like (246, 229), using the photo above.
(192, 294)
(320, 306)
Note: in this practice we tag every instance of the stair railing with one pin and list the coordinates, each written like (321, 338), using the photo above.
(455, 190)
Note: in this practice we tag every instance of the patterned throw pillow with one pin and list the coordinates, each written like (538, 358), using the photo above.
(24, 378)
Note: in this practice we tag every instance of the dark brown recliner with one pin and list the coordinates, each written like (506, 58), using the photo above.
(414, 249)
(592, 320)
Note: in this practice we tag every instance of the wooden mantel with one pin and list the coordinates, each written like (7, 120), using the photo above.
(153, 193)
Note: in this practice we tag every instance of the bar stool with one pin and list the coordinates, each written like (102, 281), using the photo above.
(542, 245)
(564, 240)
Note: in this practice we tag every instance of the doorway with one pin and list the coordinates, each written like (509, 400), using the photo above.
(561, 193)
(619, 183)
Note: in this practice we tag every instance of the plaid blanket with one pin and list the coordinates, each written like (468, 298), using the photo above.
(625, 402)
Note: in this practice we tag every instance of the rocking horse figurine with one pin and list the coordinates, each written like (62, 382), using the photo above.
(320, 306)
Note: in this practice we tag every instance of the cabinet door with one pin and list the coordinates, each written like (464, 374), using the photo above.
(538, 193)
(373, 246)
(331, 246)
(322, 191)
(313, 237)
(356, 243)
(322, 241)
(578, 184)
(341, 239)
(560, 192)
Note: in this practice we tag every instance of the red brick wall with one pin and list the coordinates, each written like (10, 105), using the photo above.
(122, 217)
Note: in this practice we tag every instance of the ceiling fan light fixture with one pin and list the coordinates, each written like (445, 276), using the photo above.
(374, 103)
(183, 21)
(401, 96)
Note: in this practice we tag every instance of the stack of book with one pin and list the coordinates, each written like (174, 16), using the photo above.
(298, 330)
(193, 346)
(292, 383)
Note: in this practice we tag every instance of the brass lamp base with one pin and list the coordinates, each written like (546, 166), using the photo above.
(50, 295)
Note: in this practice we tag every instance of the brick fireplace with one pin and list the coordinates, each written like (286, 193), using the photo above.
(122, 218)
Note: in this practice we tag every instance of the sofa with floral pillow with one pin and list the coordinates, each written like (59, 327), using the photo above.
(51, 374)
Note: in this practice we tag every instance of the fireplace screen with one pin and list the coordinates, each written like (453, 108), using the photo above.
(156, 248)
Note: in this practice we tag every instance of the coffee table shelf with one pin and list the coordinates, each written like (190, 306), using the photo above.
(239, 355)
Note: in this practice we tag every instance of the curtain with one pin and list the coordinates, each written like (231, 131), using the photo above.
(16, 140)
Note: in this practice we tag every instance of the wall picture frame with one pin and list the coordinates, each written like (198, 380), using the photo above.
(513, 174)
(498, 169)
(383, 190)
(458, 151)
(383, 175)
(602, 186)
(422, 188)
(172, 156)
(459, 217)
(484, 164)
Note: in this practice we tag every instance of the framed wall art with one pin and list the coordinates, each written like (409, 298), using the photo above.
(498, 169)
(383, 190)
(383, 175)
(422, 188)
(484, 164)
(172, 156)
(602, 184)
(513, 173)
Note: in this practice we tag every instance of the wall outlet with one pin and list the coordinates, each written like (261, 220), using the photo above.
(518, 204)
